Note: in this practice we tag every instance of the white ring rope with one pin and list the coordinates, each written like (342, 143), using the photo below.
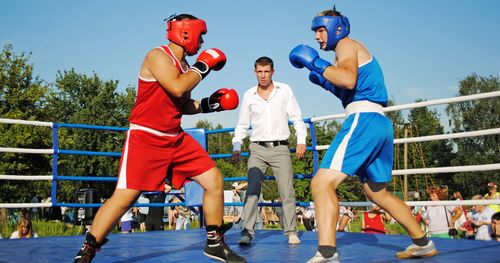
(26, 177)
(26, 150)
(450, 169)
(448, 136)
(468, 168)
(354, 204)
(436, 137)
(25, 205)
(34, 123)
(433, 203)
(419, 104)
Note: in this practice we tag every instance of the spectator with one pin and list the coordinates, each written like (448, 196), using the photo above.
(262, 219)
(308, 218)
(463, 224)
(493, 194)
(278, 210)
(373, 221)
(34, 210)
(183, 216)
(481, 219)
(238, 197)
(468, 228)
(171, 212)
(127, 222)
(458, 196)
(440, 219)
(143, 212)
(154, 219)
(345, 216)
(24, 229)
(495, 228)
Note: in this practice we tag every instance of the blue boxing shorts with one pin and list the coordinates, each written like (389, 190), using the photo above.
(364, 146)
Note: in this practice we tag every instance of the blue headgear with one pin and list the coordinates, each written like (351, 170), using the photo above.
(332, 24)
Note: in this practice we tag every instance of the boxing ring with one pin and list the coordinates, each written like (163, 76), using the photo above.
(269, 245)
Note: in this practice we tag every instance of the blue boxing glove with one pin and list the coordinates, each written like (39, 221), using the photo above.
(305, 56)
(317, 79)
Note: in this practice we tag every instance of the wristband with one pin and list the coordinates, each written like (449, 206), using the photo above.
(201, 68)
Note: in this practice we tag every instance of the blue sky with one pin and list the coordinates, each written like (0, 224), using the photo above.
(425, 47)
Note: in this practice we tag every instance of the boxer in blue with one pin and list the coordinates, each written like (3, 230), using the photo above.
(364, 145)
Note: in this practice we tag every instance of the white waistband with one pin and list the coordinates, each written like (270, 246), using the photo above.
(363, 106)
(153, 131)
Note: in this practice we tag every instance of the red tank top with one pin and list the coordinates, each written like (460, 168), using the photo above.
(154, 107)
(373, 225)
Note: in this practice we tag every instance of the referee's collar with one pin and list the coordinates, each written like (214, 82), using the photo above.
(275, 84)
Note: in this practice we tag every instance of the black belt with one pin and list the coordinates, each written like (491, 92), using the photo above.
(269, 144)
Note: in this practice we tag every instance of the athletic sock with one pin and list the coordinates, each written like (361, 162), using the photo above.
(327, 251)
(213, 235)
(423, 241)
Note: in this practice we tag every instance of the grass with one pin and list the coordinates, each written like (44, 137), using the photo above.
(45, 229)
(51, 228)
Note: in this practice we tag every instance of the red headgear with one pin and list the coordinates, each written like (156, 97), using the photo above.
(186, 33)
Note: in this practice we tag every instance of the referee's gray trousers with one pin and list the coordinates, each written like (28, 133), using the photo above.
(278, 158)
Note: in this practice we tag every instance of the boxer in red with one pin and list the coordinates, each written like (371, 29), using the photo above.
(156, 147)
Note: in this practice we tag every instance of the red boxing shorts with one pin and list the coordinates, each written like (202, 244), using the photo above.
(150, 156)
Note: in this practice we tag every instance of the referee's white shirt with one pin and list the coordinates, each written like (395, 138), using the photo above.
(269, 119)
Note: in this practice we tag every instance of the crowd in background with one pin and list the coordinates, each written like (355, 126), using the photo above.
(477, 222)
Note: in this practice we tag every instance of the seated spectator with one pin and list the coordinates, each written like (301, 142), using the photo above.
(345, 215)
(481, 219)
(24, 230)
(127, 222)
(495, 226)
(466, 228)
(308, 218)
(373, 221)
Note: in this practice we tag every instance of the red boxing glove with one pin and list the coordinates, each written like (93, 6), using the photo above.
(209, 59)
(222, 99)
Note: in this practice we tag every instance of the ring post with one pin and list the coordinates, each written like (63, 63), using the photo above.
(55, 145)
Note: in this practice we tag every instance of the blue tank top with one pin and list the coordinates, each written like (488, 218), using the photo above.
(369, 86)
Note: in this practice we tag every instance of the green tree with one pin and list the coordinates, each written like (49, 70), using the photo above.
(22, 96)
(424, 122)
(78, 98)
(472, 116)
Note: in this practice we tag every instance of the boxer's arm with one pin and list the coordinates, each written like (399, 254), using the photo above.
(191, 107)
(160, 66)
(345, 73)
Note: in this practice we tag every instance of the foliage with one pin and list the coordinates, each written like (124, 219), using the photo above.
(78, 98)
(421, 122)
(22, 96)
(472, 116)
